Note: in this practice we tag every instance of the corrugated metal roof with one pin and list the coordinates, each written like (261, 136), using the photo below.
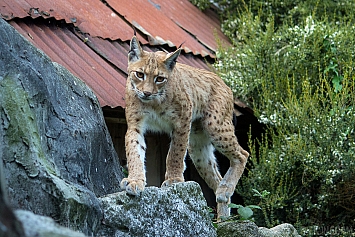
(191, 19)
(163, 22)
(171, 22)
(90, 16)
(91, 38)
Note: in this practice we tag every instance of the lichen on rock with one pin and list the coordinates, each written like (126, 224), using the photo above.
(20, 128)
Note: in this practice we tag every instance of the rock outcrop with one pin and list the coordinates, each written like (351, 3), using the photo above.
(41, 226)
(56, 150)
(180, 210)
(280, 231)
(250, 229)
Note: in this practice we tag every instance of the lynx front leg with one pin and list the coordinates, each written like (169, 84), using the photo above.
(175, 161)
(135, 153)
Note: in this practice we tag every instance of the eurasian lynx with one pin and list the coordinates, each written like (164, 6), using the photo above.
(194, 107)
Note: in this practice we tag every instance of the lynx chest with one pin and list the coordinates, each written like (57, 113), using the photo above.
(166, 120)
(158, 121)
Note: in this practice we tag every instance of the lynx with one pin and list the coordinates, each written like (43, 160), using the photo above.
(193, 106)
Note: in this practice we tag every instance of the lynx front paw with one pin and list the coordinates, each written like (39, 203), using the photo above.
(132, 186)
(170, 182)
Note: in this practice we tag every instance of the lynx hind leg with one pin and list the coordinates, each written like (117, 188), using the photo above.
(201, 152)
(223, 210)
(225, 141)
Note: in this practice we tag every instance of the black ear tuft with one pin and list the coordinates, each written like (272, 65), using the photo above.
(181, 44)
(135, 51)
(171, 59)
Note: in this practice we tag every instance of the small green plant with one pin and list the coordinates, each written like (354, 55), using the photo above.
(263, 202)
(245, 212)
(124, 171)
(333, 69)
(211, 212)
(262, 195)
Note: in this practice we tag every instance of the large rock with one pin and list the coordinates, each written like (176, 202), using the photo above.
(180, 210)
(250, 229)
(238, 229)
(57, 152)
(283, 230)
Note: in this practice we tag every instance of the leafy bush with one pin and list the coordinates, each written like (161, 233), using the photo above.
(273, 58)
(300, 81)
(308, 166)
(294, 11)
(295, 68)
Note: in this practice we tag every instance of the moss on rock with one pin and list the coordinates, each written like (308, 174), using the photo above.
(24, 142)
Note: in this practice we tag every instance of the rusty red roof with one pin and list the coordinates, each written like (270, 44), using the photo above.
(90, 16)
(172, 22)
(91, 39)
(163, 22)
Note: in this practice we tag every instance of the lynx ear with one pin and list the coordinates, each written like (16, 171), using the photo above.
(171, 58)
(135, 51)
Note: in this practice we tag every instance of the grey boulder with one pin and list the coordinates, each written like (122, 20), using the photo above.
(250, 229)
(179, 210)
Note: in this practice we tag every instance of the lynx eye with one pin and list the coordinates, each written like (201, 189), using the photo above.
(160, 79)
(139, 75)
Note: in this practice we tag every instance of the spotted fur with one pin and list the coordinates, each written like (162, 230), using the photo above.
(194, 107)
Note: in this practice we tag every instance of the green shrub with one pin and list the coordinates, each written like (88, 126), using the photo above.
(309, 160)
(268, 60)
(294, 11)
(300, 81)
(293, 63)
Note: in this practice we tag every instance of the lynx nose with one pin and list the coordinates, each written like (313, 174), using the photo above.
(147, 93)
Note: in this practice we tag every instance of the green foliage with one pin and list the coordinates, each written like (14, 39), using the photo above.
(201, 4)
(244, 212)
(292, 62)
(125, 171)
(282, 11)
(300, 82)
(270, 60)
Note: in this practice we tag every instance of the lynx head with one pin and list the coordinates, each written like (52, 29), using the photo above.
(149, 72)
